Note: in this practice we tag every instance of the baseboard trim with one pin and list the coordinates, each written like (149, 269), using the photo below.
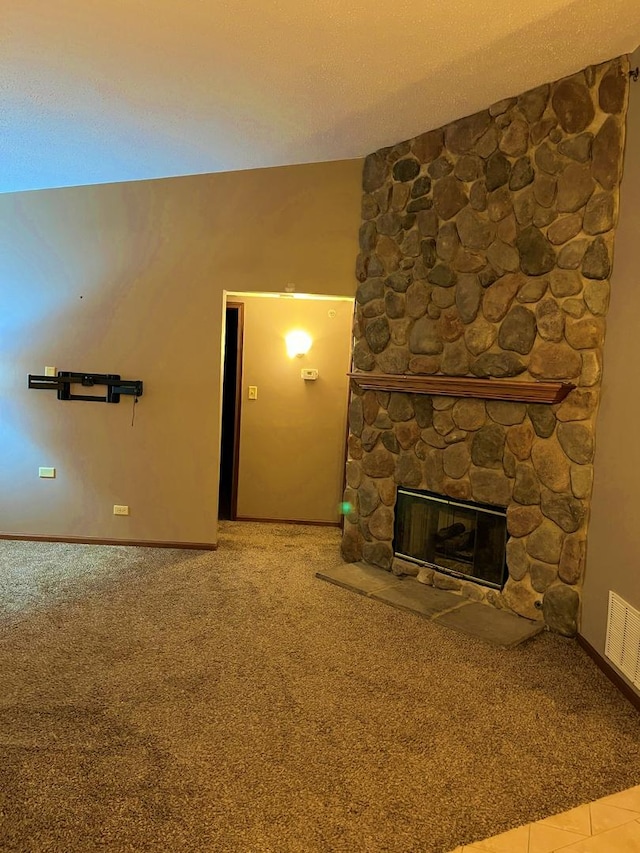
(287, 521)
(138, 543)
(627, 691)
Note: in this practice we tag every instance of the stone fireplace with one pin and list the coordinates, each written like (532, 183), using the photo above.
(485, 253)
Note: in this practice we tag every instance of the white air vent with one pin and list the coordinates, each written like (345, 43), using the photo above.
(623, 638)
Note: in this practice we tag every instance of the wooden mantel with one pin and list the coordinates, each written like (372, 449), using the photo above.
(522, 391)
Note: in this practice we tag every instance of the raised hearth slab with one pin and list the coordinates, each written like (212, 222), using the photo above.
(418, 598)
(487, 623)
(446, 608)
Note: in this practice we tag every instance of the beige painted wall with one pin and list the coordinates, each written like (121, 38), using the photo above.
(292, 438)
(129, 279)
(613, 547)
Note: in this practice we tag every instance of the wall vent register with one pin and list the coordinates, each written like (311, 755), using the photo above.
(623, 637)
(460, 538)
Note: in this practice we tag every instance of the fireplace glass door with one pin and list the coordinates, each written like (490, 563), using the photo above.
(459, 538)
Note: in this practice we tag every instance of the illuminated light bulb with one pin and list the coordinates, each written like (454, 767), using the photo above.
(298, 344)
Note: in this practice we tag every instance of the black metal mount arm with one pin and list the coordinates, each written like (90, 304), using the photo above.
(65, 379)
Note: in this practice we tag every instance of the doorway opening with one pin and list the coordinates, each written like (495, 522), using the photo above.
(282, 454)
(231, 397)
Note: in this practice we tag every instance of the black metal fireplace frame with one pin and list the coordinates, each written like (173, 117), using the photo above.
(476, 506)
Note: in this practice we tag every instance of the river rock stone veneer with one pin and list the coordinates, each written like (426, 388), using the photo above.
(485, 250)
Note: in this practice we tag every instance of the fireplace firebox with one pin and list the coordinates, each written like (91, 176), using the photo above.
(460, 538)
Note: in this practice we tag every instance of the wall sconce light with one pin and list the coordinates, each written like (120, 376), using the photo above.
(298, 344)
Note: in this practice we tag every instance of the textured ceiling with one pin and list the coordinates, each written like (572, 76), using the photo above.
(94, 91)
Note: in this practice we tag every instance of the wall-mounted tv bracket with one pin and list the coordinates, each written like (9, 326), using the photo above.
(66, 378)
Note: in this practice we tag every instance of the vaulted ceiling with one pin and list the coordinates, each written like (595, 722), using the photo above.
(94, 91)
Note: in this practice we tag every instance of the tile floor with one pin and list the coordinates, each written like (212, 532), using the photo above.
(610, 825)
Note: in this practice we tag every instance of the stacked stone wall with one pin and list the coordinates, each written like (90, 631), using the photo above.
(485, 250)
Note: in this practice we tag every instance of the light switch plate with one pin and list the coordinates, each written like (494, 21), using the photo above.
(253, 392)
(309, 373)
(50, 371)
(47, 473)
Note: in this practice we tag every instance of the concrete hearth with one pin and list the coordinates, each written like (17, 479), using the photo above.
(447, 609)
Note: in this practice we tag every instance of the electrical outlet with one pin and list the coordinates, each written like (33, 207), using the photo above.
(120, 510)
(47, 473)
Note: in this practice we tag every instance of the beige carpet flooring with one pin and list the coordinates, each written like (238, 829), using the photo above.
(156, 700)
